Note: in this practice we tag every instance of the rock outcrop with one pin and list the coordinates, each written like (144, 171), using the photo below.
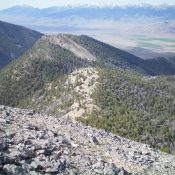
(66, 43)
(84, 81)
(35, 144)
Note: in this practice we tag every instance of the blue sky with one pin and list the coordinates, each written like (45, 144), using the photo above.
(48, 3)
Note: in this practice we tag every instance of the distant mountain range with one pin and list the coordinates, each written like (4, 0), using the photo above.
(122, 26)
(91, 12)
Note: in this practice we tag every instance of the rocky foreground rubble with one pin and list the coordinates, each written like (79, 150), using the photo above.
(35, 144)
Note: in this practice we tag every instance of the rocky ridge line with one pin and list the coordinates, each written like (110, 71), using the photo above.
(83, 81)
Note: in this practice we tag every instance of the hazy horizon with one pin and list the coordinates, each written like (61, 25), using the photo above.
(51, 3)
(145, 32)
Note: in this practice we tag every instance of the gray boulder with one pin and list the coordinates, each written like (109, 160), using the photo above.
(94, 140)
(111, 169)
(3, 144)
(14, 170)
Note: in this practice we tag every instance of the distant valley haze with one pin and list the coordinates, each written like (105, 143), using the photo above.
(144, 28)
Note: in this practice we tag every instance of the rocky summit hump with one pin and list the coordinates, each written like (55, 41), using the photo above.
(32, 143)
(67, 43)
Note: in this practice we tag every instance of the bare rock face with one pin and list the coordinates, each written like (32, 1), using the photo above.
(66, 43)
(34, 144)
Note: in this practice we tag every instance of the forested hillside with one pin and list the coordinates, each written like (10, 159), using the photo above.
(14, 41)
(40, 65)
(82, 78)
(121, 59)
(137, 107)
